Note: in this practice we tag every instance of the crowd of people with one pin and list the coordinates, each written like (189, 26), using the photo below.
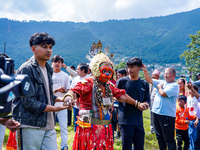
(103, 101)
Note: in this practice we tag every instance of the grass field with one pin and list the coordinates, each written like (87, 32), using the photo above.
(150, 139)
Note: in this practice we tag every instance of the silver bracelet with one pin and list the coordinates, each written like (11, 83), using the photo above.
(136, 101)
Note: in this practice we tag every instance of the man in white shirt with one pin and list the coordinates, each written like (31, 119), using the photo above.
(61, 83)
(81, 70)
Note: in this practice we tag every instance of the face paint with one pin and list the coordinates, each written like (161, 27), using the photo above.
(106, 72)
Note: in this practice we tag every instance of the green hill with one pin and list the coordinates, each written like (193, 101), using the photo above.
(155, 39)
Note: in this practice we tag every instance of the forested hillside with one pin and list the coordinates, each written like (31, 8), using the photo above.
(155, 39)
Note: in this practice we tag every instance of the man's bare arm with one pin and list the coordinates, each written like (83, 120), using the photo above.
(146, 75)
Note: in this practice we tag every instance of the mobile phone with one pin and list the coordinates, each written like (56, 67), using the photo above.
(187, 79)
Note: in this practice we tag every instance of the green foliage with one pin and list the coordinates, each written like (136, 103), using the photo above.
(141, 75)
(192, 54)
(121, 65)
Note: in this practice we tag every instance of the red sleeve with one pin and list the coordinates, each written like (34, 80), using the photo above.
(83, 88)
(117, 92)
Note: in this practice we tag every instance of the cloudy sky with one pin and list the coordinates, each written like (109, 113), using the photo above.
(91, 10)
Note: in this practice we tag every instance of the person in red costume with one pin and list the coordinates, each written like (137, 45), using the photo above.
(94, 96)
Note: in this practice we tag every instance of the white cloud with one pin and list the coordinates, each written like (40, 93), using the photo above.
(91, 10)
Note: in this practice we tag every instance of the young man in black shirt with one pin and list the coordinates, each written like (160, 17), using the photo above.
(130, 116)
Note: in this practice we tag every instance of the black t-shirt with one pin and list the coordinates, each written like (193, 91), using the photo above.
(137, 89)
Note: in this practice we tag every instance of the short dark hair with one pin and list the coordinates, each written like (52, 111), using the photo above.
(41, 38)
(56, 58)
(122, 71)
(83, 66)
(135, 61)
(183, 80)
(72, 67)
(183, 97)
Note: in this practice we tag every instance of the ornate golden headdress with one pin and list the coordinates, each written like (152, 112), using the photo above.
(98, 58)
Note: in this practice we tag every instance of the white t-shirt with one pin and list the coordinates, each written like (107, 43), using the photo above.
(60, 79)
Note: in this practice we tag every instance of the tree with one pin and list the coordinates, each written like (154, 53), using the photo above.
(192, 54)
(120, 65)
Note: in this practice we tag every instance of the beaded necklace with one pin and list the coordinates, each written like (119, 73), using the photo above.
(99, 94)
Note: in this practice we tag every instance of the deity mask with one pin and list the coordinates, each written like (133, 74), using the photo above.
(97, 61)
(106, 72)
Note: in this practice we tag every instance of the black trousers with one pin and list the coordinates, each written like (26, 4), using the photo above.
(197, 139)
(165, 126)
(69, 122)
(132, 134)
(182, 135)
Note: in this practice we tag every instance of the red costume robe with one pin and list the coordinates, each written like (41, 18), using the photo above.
(92, 136)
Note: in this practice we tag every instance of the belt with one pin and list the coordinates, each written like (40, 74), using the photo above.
(100, 122)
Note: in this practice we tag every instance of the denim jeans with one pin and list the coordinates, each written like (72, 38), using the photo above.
(37, 139)
(2, 133)
(197, 139)
(164, 127)
(192, 132)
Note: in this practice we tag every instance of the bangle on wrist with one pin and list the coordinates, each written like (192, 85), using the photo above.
(54, 91)
(136, 102)
(68, 94)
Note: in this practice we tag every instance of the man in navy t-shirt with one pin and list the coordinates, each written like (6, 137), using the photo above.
(130, 116)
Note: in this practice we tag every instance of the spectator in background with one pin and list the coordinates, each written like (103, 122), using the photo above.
(192, 131)
(182, 87)
(12, 125)
(81, 70)
(72, 71)
(164, 107)
(61, 84)
(197, 82)
(89, 73)
(120, 73)
(181, 124)
(152, 92)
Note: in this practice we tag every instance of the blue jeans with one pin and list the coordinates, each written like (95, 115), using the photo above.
(2, 133)
(197, 139)
(192, 132)
(132, 134)
(75, 110)
(164, 127)
(36, 139)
